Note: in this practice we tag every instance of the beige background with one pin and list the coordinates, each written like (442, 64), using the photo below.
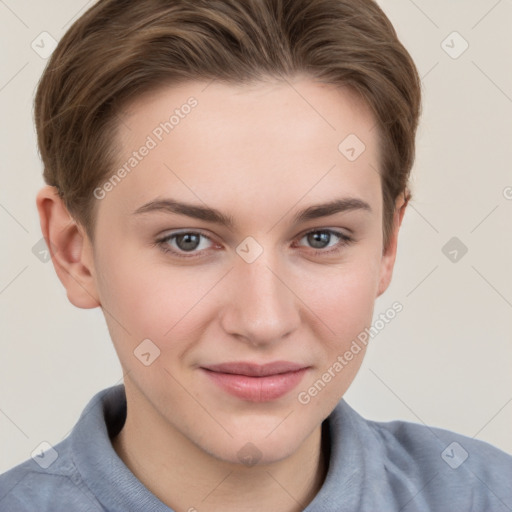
(445, 360)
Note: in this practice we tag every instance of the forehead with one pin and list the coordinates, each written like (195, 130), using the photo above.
(255, 109)
(215, 142)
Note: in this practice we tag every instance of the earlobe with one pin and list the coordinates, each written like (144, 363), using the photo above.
(69, 251)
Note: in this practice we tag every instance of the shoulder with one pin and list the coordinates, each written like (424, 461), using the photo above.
(407, 466)
(69, 476)
(446, 464)
(416, 440)
(53, 483)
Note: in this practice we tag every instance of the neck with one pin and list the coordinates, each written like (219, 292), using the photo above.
(186, 478)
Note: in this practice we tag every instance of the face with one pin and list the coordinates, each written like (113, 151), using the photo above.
(228, 290)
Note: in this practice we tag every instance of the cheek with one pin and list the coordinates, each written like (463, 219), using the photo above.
(343, 296)
(147, 299)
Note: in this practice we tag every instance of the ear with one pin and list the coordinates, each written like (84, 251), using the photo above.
(389, 254)
(70, 249)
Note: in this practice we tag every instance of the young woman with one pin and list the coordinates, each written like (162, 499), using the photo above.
(226, 179)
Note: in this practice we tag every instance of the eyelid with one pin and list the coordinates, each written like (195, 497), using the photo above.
(341, 231)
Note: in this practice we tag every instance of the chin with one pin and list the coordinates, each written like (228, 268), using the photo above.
(250, 447)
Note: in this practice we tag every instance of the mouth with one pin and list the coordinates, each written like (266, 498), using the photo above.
(256, 383)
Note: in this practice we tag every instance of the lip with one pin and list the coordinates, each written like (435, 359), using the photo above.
(256, 383)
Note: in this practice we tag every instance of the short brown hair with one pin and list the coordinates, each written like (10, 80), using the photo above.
(119, 49)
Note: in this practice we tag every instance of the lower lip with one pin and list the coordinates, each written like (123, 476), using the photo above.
(257, 389)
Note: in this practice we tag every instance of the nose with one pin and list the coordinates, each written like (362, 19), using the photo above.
(260, 306)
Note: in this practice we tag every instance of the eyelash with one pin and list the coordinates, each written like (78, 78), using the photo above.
(162, 243)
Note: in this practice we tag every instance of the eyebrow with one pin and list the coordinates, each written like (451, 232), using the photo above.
(205, 213)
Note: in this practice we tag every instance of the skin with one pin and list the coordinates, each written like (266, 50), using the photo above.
(259, 153)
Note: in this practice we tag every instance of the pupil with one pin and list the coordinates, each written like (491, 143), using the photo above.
(190, 241)
(321, 237)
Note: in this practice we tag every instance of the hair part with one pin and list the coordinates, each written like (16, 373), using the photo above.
(120, 49)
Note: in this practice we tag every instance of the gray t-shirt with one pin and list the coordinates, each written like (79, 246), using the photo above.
(373, 467)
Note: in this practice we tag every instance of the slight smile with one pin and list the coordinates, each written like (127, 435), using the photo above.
(254, 382)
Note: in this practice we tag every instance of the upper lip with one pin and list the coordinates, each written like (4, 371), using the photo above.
(255, 370)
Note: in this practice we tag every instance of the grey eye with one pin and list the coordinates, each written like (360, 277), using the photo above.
(319, 239)
(187, 241)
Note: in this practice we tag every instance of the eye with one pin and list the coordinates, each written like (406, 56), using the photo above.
(182, 243)
(320, 240)
(190, 244)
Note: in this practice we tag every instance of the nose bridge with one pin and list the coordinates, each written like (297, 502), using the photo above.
(260, 308)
